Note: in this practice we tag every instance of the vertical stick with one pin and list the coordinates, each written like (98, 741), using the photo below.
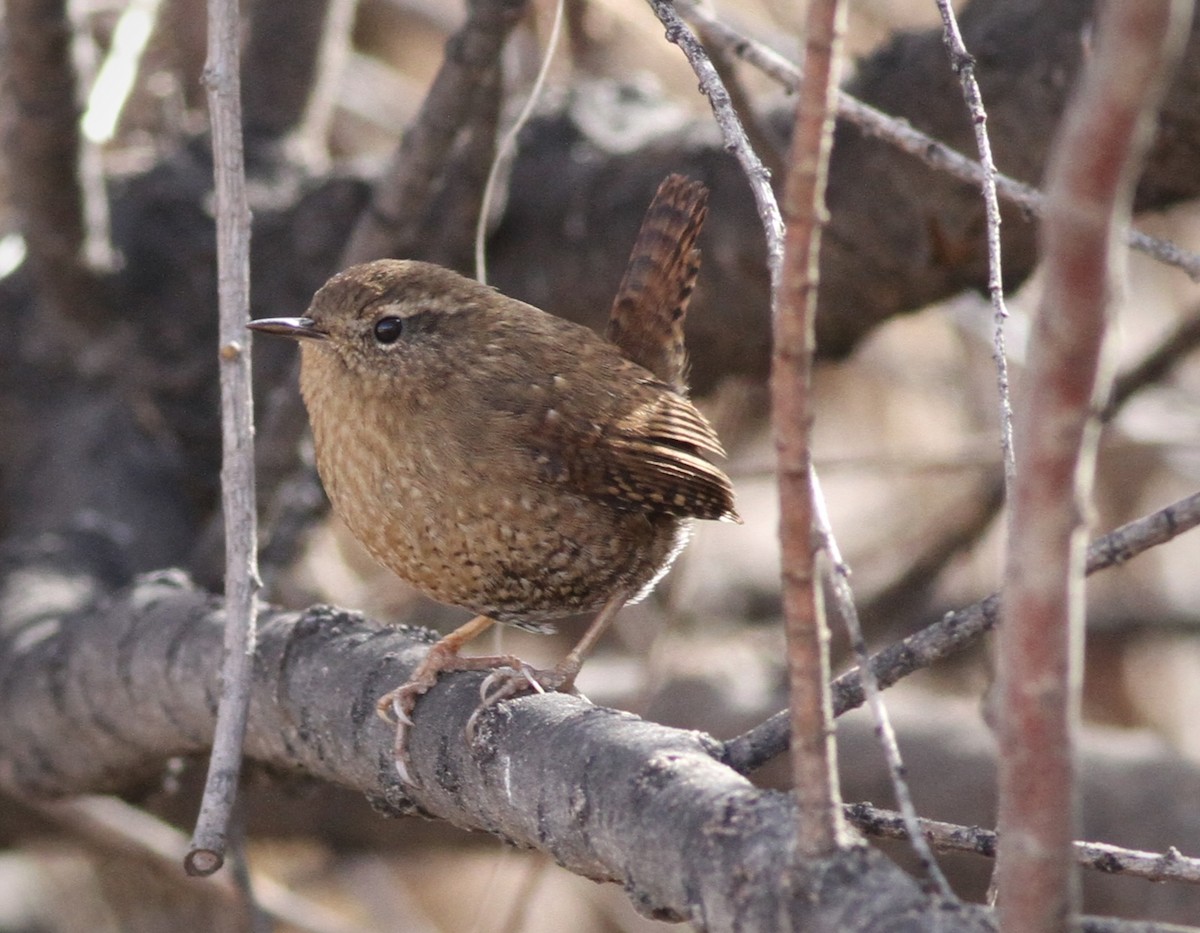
(1092, 171)
(222, 82)
(964, 65)
(814, 766)
(732, 131)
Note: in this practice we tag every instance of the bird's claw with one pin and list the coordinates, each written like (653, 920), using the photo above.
(402, 718)
(400, 747)
(507, 682)
(395, 708)
(502, 683)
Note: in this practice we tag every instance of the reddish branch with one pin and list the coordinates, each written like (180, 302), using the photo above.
(1089, 192)
(813, 757)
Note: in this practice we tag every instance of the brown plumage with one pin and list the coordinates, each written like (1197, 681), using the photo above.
(502, 459)
(646, 322)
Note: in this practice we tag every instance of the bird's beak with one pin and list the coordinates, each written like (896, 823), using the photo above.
(295, 327)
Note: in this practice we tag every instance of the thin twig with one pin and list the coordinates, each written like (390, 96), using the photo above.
(886, 734)
(732, 131)
(508, 142)
(987, 501)
(1171, 865)
(1089, 193)
(963, 64)
(737, 141)
(814, 772)
(1181, 341)
(905, 137)
(956, 631)
(770, 148)
(809, 504)
(221, 78)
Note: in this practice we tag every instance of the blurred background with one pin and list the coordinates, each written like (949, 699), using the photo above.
(906, 445)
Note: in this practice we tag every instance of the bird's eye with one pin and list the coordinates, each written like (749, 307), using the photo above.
(389, 329)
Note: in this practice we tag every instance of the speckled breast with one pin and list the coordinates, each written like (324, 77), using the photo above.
(520, 551)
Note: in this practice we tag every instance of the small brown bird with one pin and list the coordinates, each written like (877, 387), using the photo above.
(503, 459)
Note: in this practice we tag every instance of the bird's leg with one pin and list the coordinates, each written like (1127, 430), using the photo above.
(443, 656)
(510, 680)
(562, 676)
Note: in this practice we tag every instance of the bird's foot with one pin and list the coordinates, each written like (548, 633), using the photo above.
(509, 681)
(396, 706)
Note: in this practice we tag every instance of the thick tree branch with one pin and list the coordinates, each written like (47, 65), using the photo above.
(98, 488)
(550, 772)
(43, 142)
(461, 103)
(609, 796)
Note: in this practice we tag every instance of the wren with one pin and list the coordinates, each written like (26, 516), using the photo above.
(505, 460)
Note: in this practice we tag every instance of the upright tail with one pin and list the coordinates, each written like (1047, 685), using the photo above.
(646, 322)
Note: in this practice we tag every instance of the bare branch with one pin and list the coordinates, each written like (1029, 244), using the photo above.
(607, 795)
(961, 531)
(957, 630)
(1090, 188)
(402, 203)
(221, 75)
(732, 131)
(814, 774)
(901, 134)
(902, 235)
(964, 65)
(770, 145)
(1171, 865)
